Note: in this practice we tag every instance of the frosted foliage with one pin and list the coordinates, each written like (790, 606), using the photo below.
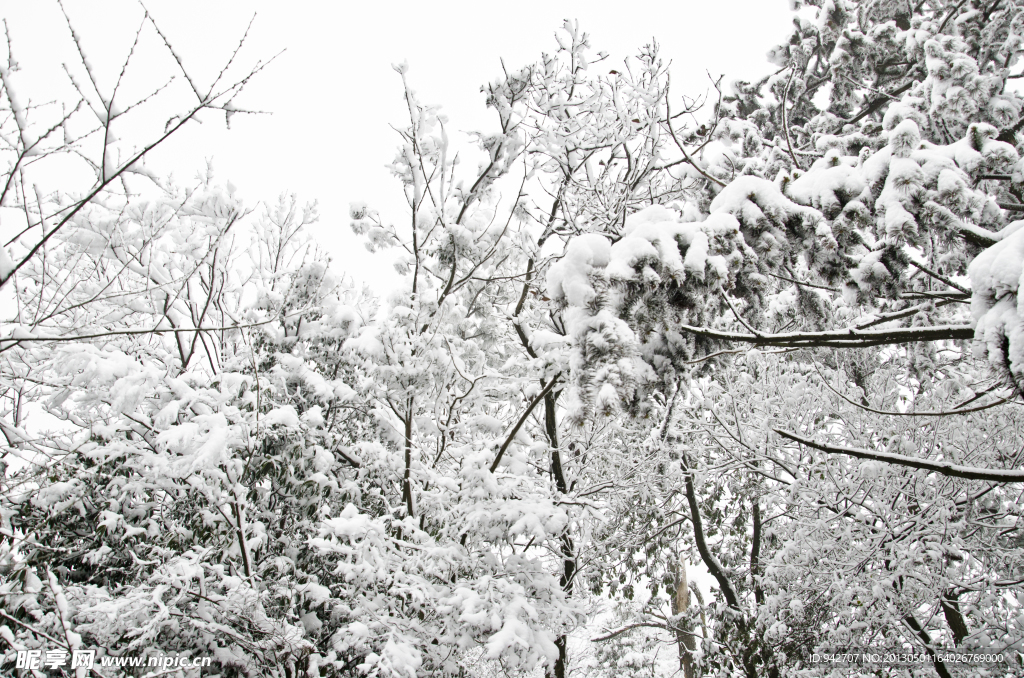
(847, 219)
(653, 238)
(656, 247)
(995, 280)
(570, 279)
(831, 182)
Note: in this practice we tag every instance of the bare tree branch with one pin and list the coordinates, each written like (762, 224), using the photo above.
(850, 338)
(943, 467)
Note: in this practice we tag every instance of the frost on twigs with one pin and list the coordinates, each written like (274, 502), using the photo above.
(76, 137)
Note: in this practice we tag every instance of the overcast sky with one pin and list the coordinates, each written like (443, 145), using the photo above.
(333, 94)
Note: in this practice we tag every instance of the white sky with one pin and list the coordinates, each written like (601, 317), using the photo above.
(333, 93)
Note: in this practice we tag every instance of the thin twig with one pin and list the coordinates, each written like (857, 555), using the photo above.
(691, 161)
(785, 125)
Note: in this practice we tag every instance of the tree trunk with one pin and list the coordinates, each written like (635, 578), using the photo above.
(407, 476)
(954, 618)
(680, 604)
(568, 548)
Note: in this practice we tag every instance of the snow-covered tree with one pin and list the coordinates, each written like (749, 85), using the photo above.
(195, 424)
(856, 199)
(775, 339)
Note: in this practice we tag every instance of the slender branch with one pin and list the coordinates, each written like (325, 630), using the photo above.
(639, 625)
(877, 103)
(950, 15)
(522, 420)
(714, 567)
(785, 126)
(923, 413)
(246, 560)
(943, 467)
(898, 315)
(740, 318)
(939, 277)
(407, 475)
(34, 629)
(105, 181)
(691, 161)
(9, 342)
